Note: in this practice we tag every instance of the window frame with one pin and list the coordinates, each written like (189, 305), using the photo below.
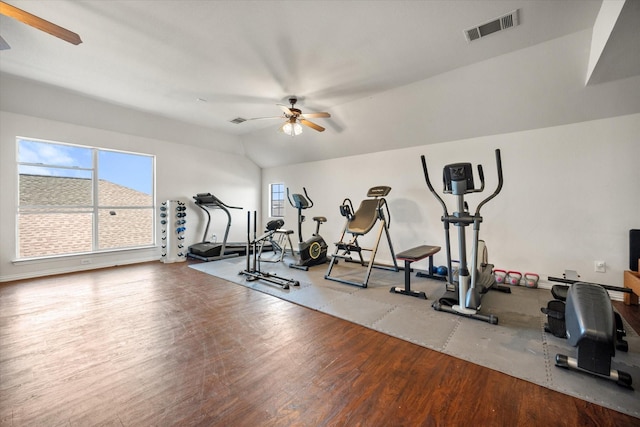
(93, 209)
(272, 200)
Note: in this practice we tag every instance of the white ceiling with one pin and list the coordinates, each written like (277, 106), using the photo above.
(208, 62)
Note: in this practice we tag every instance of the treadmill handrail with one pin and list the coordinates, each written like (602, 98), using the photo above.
(208, 199)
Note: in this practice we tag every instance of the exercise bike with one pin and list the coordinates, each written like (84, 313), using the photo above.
(314, 250)
(464, 295)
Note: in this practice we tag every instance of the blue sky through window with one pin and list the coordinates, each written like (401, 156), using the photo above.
(129, 170)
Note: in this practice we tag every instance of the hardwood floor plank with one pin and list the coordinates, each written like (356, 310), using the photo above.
(163, 344)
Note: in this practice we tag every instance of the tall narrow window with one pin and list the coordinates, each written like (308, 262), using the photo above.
(75, 199)
(276, 200)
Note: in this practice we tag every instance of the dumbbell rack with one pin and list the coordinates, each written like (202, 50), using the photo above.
(173, 224)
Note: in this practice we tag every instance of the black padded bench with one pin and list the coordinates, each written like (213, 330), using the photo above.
(591, 327)
(409, 256)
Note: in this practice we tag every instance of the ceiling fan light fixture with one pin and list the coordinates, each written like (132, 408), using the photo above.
(292, 129)
(294, 119)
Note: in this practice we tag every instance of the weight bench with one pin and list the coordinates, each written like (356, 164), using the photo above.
(591, 327)
(409, 256)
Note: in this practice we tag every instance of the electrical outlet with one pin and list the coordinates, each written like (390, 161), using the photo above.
(600, 266)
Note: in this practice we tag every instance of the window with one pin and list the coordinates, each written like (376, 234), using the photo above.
(75, 199)
(276, 200)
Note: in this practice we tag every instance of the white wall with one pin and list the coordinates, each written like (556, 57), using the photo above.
(570, 196)
(533, 88)
(182, 170)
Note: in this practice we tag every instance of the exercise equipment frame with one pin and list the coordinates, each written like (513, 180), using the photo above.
(358, 224)
(252, 270)
(458, 181)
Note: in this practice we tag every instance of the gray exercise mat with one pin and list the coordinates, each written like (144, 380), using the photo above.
(517, 346)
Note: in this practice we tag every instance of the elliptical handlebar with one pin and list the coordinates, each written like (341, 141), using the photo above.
(500, 181)
(481, 175)
(482, 185)
(433, 191)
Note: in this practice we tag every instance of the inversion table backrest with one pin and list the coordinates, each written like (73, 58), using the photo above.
(365, 217)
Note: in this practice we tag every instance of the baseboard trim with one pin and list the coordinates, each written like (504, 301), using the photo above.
(74, 269)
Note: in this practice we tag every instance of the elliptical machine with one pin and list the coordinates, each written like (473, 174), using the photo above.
(314, 250)
(463, 297)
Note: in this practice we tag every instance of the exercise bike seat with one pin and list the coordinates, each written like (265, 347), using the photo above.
(274, 224)
(365, 217)
(320, 219)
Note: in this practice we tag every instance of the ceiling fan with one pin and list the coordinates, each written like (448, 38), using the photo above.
(36, 22)
(294, 118)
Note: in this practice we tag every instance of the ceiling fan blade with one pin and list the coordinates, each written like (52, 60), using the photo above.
(265, 118)
(3, 44)
(315, 115)
(285, 109)
(39, 23)
(311, 125)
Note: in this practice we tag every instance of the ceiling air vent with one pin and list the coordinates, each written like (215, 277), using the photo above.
(238, 120)
(498, 24)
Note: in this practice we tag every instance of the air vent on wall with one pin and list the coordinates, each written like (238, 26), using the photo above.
(238, 120)
(498, 24)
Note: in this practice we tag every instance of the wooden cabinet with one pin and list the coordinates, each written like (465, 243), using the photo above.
(632, 281)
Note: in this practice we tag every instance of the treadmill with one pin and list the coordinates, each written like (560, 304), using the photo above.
(212, 251)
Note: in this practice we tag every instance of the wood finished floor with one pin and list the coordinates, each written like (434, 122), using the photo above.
(156, 344)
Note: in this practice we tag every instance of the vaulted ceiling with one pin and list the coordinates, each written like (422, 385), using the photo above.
(205, 63)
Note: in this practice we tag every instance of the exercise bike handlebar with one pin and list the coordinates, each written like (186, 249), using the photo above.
(307, 197)
(289, 198)
(500, 181)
